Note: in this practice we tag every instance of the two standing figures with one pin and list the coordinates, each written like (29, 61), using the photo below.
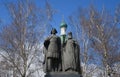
(59, 58)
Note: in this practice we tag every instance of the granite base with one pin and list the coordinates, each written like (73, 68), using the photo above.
(62, 74)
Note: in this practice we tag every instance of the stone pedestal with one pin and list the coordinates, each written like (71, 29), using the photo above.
(63, 74)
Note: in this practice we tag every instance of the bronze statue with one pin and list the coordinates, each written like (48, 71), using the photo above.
(52, 47)
(71, 61)
(59, 57)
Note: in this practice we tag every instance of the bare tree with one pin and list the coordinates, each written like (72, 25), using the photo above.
(21, 39)
(102, 31)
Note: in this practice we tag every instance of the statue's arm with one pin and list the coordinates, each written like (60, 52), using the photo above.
(46, 42)
(59, 42)
(78, 59)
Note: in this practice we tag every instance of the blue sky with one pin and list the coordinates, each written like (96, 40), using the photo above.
(68, 7)
(64, 8)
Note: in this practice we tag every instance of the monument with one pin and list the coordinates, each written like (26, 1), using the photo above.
(61, 54)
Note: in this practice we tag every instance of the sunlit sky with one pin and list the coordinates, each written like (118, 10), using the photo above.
(64, 8)
(68, 7)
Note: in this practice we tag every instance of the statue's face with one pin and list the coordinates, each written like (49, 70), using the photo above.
(54, 31)
(69, 36)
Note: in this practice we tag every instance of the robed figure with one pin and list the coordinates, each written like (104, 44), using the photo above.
(52, 46)
(71, 61)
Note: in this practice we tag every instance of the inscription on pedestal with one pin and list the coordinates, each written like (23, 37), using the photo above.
(63, 74)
